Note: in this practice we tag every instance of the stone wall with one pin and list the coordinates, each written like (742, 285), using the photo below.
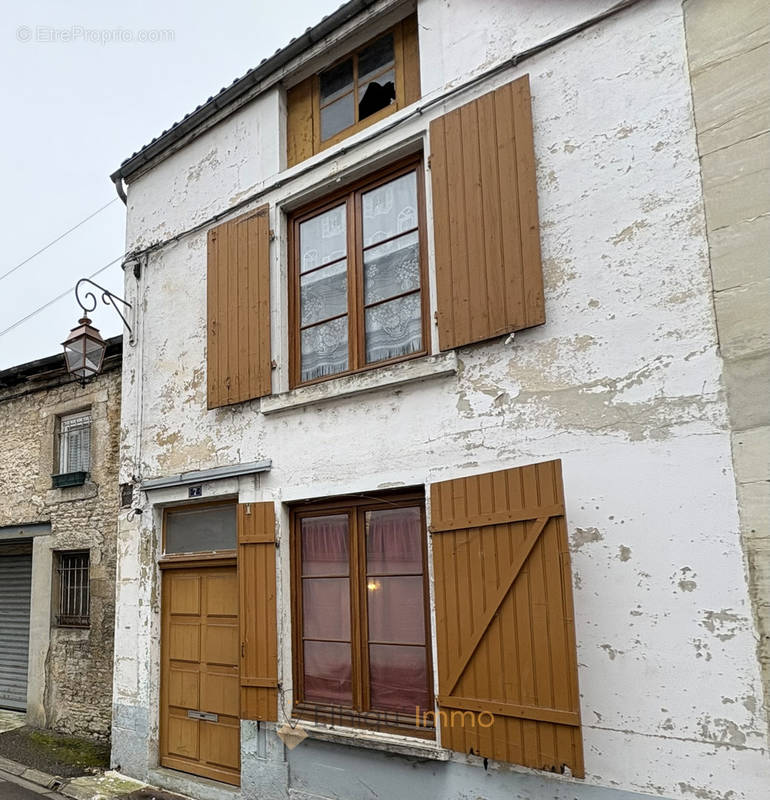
(75, 687)
(728, 51)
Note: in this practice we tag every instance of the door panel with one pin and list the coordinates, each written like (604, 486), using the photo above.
(183, 687)
(185, 594)
(200, 673)
(222, 644)
(184, 641)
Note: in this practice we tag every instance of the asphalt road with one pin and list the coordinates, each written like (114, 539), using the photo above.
(13, 788)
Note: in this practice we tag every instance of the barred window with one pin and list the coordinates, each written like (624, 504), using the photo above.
(75, 443)
(74, 593)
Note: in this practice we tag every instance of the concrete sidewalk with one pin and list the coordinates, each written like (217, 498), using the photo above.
(21, 782)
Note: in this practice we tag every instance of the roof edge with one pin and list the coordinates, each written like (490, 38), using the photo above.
(240, 86)
(50, 366)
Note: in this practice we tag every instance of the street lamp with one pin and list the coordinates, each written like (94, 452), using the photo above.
(84, 348)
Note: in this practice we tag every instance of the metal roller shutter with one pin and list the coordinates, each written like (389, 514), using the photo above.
(15, 586)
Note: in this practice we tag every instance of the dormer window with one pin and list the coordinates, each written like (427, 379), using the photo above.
(357, 87)
(363, 87)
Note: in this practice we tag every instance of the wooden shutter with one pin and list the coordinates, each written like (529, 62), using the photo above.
(488, 271)
(410, 60)
(300, 133)
(259, 640)
(504, 618)
(238, 297)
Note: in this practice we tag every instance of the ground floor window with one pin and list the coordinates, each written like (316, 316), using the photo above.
(362, 654)
(74, 596)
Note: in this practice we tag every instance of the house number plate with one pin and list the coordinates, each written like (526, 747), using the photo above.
(203, 715)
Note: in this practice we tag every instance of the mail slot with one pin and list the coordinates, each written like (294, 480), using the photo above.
(203, 715)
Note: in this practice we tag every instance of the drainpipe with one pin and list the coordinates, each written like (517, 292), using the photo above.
(118, 181)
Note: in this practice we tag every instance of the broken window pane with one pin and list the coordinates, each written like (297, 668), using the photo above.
(376, 94)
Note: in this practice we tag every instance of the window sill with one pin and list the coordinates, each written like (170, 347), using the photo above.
(370, 740)
(65, 480)
(348, 385)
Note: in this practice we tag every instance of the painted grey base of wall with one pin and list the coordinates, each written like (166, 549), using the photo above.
(317, 770)
(321, 769)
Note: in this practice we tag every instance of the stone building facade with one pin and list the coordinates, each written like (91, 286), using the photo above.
(58, 519)
(728, 49)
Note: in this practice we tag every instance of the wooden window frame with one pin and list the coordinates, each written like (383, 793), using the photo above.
(214, 557)
(351, 194)
(356, 716)
(358, 125)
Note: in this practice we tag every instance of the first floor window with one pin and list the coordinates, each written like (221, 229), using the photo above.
(75, 443)
(362, 649)
(358, 277)
(73, 607)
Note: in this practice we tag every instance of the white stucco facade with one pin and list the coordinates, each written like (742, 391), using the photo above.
(623, 383)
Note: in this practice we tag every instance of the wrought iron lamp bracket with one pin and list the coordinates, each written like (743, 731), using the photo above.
(89, 301)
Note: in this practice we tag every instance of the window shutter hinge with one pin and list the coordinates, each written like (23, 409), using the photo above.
(272, 235)
(435, 317)
(273, 364)
(243, 649)
(430, 159)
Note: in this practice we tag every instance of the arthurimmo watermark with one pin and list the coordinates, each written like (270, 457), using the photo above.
(50, 34)
(293, 733)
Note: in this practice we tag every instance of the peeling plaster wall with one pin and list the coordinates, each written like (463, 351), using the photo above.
(728, 50)
(623, 383)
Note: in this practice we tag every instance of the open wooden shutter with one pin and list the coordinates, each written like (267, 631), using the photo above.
(300, 121)
(238, 297)
(488, 272)
(259, 640)
(504, 618)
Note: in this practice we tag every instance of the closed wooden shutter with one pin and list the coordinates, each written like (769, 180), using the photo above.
(259, 641)
(300, 131)
(488, 270)
(238, 298)
(504, 618)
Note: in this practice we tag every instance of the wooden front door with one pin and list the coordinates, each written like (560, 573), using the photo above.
(200, 684)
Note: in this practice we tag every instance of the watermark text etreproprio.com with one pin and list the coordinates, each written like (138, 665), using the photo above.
(50, 34)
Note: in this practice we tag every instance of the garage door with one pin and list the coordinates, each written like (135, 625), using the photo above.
(15, 585)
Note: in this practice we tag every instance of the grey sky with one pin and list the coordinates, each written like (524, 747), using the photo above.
(76, 103)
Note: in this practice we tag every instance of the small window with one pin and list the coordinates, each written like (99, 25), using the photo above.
(358, 87)
(361, 88)
(200, 530)
(75, 443)
(362, 653)
(359, 278)
(73, 608)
